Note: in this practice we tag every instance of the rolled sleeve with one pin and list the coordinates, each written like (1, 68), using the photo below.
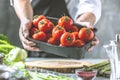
(12, 2)
(93, 6)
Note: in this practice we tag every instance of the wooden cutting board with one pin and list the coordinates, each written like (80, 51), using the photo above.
(64, 66)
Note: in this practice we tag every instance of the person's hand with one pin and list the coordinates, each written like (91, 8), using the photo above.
(24, 34)
(95, 41)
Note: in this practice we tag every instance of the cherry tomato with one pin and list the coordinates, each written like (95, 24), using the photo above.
(66, 22)
(48, 35)
(52, 41)
(67, 39)
(45, 25)
(40, 36)
(86, 34)
(57, 32)
(73, 29)
(79, 43)
(76, 35)
(37, 19)
(33, 30)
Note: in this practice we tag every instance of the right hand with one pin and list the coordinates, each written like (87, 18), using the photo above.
(24, 34)
(95, 41)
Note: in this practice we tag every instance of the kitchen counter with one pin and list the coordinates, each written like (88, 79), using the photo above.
(86, 60)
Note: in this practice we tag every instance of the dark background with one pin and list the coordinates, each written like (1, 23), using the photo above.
(108, 26)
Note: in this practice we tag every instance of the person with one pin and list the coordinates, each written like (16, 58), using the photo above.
(84, 12)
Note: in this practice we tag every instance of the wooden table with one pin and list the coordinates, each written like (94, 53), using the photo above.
(88, 60)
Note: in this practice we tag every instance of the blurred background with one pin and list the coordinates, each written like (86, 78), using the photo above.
(108, 26)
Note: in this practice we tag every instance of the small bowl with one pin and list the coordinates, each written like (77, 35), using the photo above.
(82, 74)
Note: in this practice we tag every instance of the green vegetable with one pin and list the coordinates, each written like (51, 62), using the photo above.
(98, 65)
(5, 45)
(4, 38)
(5, 48)
(22, 73)
(17, 54)
(102, 67)
(105, 71)
(19, 65)
(105, 68)
(15, 57)
(3, 42)
(43, 76)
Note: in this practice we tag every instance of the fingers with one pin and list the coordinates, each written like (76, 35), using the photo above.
(87, 24)
(95, 41)
(24, 34)
(25, 28)
(90, 48)
(23, 39)
(30, 48)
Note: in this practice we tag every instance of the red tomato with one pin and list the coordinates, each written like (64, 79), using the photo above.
(40, 36)
(73, 29)
(86, 34)
(79, 43)
(37, 19)
(48, 35)
(33, 31)
(45, 25)
(57, 32)
(52, 41)
(76, 35)
(66, 22)
(67, 39)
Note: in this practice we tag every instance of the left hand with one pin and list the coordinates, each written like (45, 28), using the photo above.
(95, 41)
(24, 34)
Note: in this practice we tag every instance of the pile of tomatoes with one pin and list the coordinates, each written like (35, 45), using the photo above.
(64, 33)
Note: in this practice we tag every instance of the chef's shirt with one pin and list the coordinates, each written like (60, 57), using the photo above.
(78, 7)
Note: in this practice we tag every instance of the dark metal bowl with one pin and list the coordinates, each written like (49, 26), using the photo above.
(68, 52)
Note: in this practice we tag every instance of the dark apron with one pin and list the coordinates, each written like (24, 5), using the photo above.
(51, 8)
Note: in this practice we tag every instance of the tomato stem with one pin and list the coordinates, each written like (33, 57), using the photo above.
(36, 16)
(87, 30)
(36, 31)
(59, 28)
(69, 38)
(66, 19)
(41, 22)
